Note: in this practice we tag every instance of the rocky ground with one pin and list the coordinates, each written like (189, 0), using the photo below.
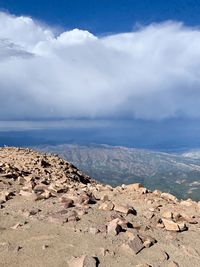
(51, 214)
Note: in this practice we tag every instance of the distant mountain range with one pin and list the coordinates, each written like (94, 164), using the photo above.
(176, 173)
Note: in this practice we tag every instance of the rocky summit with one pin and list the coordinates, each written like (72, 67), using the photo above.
(52, 214)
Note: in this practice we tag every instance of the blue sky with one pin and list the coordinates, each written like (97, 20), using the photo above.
(105, 16)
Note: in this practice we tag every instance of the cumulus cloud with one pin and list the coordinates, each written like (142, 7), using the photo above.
(150, 73)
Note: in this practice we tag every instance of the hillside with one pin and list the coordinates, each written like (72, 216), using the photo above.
(175, 173)
(52, 214)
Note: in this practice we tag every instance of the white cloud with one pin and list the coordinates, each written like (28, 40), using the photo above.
(151, 73)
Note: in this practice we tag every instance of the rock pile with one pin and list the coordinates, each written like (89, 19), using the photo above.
(51, 209)
(38, 176)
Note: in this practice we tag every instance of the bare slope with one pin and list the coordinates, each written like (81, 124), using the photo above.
(53, 215)
(173, 173)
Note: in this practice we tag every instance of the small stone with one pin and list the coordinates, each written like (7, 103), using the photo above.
(152, 209)
(163, 256)
(90, 262)
(167, 215)
(73, 218)
(149, 241)
(182, 227)
(108, 205)
(65, 199)
(16, 226)
(14, 248)
(68, 203)
(45, 247)
(4, 196)
(176, 216)
(102, 228)
(160, 225)
(113, 227)
(147, 244)
(47, 194)
(106, 252)
(170, 225)
(143, 191)
(84, 261)
(21, 180)
(104, 198)
(34, 212)
(93, 230)
(86, 199)
(124, 209)
(81, 212)
(136, 244)
(157, 192)
(40, 188)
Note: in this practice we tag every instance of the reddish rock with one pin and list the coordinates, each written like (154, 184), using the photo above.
(172, 226)
(113, 227)
(136, 244)
(124, 209)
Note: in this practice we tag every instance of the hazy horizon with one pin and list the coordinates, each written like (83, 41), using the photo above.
(164, 135)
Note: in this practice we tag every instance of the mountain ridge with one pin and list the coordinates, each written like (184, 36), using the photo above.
(175, 173)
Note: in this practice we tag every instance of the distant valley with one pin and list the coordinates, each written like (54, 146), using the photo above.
(178, 174)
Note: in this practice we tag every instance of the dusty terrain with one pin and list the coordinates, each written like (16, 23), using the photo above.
(51, 214)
